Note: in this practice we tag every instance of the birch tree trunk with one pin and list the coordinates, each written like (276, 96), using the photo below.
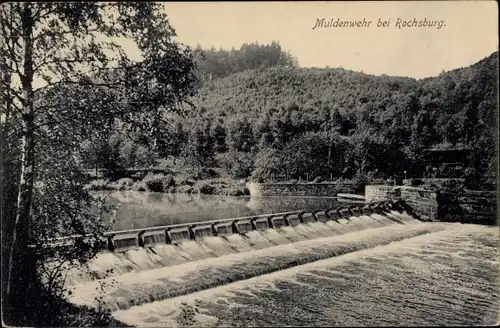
(22, 269)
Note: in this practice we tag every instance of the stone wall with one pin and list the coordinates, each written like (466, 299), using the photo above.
(376, 193)
(467, 206)
(423, 202)
(477, 207)
(299, 189)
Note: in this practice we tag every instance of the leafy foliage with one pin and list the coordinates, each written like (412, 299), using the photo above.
(212, 63)
(67, 80)
(159, 182)
(363, 123)
(237, 163)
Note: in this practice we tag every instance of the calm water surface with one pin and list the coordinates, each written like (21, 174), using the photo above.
(148, 209)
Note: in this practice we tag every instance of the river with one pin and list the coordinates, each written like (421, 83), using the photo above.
(148, 209)
(378, 270)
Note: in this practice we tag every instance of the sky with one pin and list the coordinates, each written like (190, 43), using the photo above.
(469, 33)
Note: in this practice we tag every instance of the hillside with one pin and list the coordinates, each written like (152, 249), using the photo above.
(455, 109)
(335, 123)
(255, 92)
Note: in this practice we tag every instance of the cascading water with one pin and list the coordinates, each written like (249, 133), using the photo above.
(139, 259)
(420, 281)
(145, 276)
(142, 260)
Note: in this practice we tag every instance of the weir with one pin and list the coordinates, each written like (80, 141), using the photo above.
(121, 241)
(199, 258)
(146, 265)
(144, 249)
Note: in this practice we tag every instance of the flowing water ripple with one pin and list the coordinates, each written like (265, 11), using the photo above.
(448, 277)
(143, 259)
(142, 287)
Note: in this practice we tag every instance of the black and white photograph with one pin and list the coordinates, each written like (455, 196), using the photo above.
(249, 163)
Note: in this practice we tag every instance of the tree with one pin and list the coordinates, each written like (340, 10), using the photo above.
(367, 148)
(66, 77)
(219, 132)
(237, 163)
(240, 134)
(199, 149)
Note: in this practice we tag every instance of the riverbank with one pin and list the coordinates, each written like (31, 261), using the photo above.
(167, 183)
(214, 183)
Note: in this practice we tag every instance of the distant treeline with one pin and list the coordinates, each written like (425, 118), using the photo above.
(260, 115)
(212, 63)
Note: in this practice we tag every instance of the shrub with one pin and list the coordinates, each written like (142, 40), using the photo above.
(359, 181)
(207, 189)
(210, 173)
(169, 181)
(235, 191)
(127, 182)
(114, 186)
(139, 186)
(155, 182)
(377, 181)
(100, 184)
(186, 189)
(238, 164)
(187, 182)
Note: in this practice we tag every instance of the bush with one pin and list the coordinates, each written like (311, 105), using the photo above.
(449, 209)
(359, 181)
(238, 164)
(169, 181)
(187, 182)
(122, 184)
(55, 311)
(159, 182)
(235, 192)
(101, 184)
(139, 186)
(127, 182)
(377, 181)
(209, 173)
(207, 189)
(186, 189)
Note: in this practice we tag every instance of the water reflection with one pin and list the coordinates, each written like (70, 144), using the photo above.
(148, 209)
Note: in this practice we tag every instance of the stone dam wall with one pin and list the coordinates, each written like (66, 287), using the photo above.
(467, 206)
(299, 189)
(478, 206)
(120, 241)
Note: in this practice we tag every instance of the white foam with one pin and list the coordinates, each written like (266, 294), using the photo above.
(150, 282)
(162, 310)
(141, 259)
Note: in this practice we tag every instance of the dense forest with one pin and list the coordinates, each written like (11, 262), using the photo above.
(212, 63)
(258, 115)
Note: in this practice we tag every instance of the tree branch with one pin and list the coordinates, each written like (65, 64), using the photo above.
(62, 33)
(59, 61)
(62, 82)
(11, 52)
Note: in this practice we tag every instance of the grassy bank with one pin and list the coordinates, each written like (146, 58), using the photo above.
(160, 182)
